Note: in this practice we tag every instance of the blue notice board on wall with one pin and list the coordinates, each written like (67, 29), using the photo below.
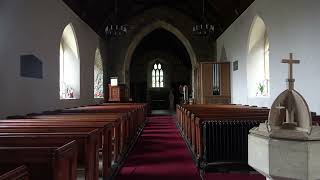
(30, 66)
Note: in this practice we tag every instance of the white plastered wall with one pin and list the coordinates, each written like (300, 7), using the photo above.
(292, 26)
(35, 27)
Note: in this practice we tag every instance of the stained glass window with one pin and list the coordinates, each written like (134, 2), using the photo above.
(98, 75)
(157, 76)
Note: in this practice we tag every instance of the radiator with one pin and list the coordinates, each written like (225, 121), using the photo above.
(226, 141)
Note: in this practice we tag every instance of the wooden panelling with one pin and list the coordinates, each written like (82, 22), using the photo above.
(117, 93)
(204, 86)
(225, 79)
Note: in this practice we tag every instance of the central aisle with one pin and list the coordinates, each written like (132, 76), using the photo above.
(160, 154)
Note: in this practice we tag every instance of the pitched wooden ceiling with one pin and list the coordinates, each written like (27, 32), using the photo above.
(97, 13)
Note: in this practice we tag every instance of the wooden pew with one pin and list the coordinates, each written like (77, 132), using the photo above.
(216, 109)
(188, 123)
(87, 144)
(120, 130)
(134, 118)
(111, 109)
(75, 114)
(186, 116)
(137, 115)
(145, 108)
(211, 131)
(19, 173)
(90, 145)
(52, 162)
(186, 110)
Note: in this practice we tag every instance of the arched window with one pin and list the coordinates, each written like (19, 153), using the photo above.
(69, 65)
(258, 77)
(98, 75)
(157, 75)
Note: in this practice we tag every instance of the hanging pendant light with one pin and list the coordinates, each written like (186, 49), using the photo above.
(116, 30)
(204, 28)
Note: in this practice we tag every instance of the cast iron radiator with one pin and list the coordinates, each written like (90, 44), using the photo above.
(226, 141)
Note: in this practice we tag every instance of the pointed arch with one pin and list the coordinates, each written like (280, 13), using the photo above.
(69, 64)
(147, 30)
(223, 55)
(258, 73)
(98, 75)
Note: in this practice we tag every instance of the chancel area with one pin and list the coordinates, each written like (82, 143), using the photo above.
(159, 89)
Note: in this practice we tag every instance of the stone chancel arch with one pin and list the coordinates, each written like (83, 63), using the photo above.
(258, 78)
(69, 65)
(144, 32)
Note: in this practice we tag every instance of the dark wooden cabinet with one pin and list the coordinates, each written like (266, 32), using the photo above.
(117, 93)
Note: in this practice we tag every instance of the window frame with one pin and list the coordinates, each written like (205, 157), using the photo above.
(97, 70)
(157, 76)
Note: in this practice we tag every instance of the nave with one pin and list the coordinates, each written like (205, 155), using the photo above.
(120, 141)
(79, 78)
(161, 153)
(95, 142)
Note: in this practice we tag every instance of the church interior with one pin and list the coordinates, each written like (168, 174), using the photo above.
(159, 89)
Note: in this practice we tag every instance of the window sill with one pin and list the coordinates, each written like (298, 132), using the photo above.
(260, 97)
(69, 98)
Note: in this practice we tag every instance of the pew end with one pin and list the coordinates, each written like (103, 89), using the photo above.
(19, 173)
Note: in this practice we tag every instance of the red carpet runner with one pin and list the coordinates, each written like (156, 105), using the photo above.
(161, 154)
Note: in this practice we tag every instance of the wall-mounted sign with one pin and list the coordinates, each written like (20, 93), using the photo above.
(30, 66)
(235, 65)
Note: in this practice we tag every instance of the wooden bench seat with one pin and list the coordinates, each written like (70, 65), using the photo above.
(19, 173)
(217, 134)
(51, 163)
(131, 114)
(126, 120)
(87, 145)
(184, 112)
(137, 115)
(119, 120)
(190, 123)
(90, 142)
